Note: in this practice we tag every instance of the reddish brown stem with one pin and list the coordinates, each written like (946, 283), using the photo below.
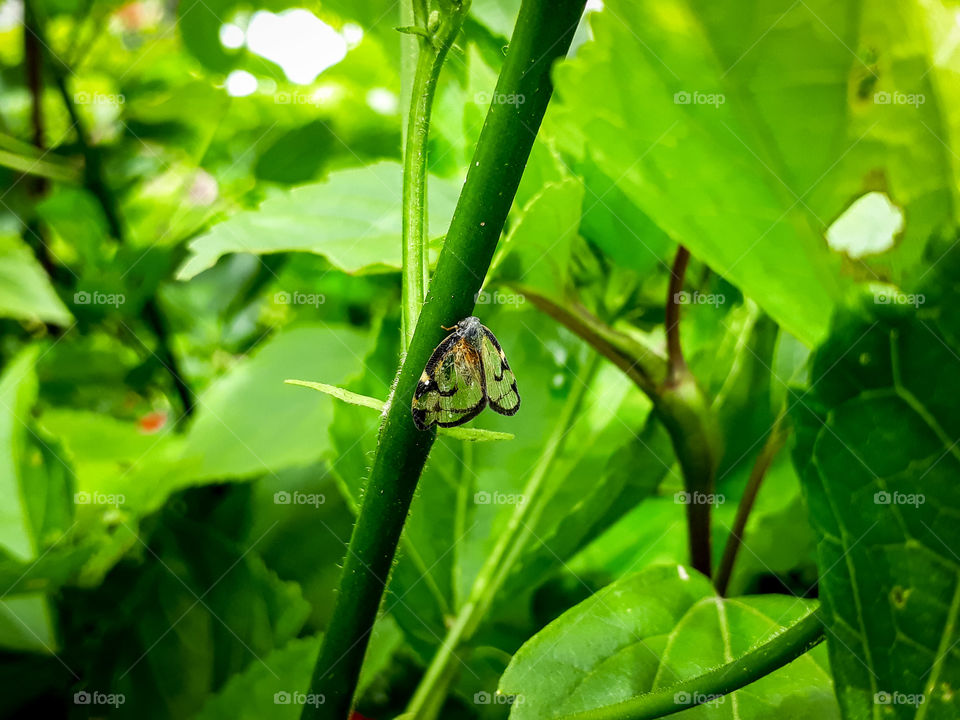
(775, 442)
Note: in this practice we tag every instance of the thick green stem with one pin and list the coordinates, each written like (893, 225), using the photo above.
(759, 662)
(543, 34)
(499, 563)
(431, 53)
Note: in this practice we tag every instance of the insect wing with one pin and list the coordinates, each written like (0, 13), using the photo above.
(450, 391)
(501, 383)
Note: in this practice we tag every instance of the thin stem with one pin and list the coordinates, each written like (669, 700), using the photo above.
(431, 53)
(780, 650)
(543, 33)
(676, 364)
(641, 365)
(501, 561)
(774, 443)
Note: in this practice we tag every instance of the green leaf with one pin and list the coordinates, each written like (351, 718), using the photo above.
(877, 455)
(117, 464)
(200, 608)
(352, 219)
(298, 155)
(25, 620)
(743, 135)
(25, 289)
(653, 629)
(267, 689)
(474, 434)
(248, 422)
(536, 252)
(18, 392)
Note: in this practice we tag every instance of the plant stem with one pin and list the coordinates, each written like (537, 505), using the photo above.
(675, 361)
(499, 563)
(678, 401)
(774, 443)
(543, 33)
(637, 363)
(780, 650)
(431, 52)
(687, 417)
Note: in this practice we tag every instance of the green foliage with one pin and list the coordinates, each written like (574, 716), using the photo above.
(879, 465)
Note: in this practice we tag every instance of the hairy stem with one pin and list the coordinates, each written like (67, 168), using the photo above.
(780, 650)
(542, 34)
(774, 443)
(431, 53)
(499, 563)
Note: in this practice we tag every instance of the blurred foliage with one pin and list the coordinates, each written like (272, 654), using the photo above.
(185, 557)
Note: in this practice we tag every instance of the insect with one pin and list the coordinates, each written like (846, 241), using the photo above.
(467, 371)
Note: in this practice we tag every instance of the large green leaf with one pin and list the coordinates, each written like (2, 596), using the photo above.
(744, 134)
(25, 289)
(352, 219)
(249, 422)
(653, 629)
(878, 455)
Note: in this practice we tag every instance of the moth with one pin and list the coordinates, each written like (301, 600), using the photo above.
(466, 372)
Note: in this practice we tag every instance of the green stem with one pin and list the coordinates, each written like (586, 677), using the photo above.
(678, 401)
(542, 34)
(499, 563)
(780, 650)
(431, 53)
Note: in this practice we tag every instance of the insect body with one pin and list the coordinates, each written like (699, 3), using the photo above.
(466, 372)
